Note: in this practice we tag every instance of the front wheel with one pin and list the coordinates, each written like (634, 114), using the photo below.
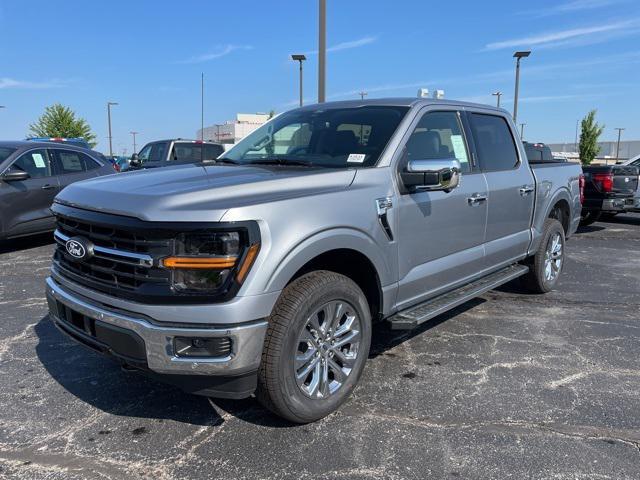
(547, 263)
(316, 346)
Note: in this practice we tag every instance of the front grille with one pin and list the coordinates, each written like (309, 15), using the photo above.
(125, 261)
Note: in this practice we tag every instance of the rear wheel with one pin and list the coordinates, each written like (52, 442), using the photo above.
(546, 265)
(316, 346)
(587, 217)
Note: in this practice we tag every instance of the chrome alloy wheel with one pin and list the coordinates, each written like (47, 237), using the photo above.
(327, 349)
(553, 258)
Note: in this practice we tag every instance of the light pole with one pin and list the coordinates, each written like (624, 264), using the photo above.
(299, 58)
(518, 56)
(109, 105)
(362, 95)
(134, 141)
(618, 144)
(497, 94)
(322, 49)
(522, 130)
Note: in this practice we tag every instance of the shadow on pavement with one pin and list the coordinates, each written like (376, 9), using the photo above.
(25, 243)
(100, 382)
(589, 229)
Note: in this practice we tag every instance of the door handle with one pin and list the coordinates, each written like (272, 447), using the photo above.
(476, 199)
(526, 190)
(48, 186)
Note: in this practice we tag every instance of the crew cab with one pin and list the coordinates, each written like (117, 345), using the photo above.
(166, 153)
(264, 272)
(609, 190)
(635, 206)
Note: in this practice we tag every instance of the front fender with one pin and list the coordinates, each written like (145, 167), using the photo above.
(322, 242)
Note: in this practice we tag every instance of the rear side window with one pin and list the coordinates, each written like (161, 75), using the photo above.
(211, 152)
(35, 163)
(494, 142)
(186, 152)
(70, 162)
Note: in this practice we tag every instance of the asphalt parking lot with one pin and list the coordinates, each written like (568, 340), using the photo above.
(507, 386)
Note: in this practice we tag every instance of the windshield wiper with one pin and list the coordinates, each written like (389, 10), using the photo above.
(282, 161)
(226, 160)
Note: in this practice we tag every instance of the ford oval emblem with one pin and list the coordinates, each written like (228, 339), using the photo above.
(76, 248)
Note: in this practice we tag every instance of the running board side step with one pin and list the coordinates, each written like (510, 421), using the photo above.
(414, 316)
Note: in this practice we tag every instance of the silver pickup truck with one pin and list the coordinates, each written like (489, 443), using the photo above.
(264, 272)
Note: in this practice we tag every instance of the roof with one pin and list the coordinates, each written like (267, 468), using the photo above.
(210, 142)
(28, 144)
(398, 102)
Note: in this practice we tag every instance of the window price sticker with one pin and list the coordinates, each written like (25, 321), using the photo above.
(356, 157)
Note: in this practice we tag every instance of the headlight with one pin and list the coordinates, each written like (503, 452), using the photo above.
(211, 261)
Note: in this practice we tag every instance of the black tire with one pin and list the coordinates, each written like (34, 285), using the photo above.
(588, 217)
(278, 389)
(536, 280)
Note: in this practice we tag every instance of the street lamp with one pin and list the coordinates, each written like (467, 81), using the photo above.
(299, 58)
(322, 49)
(109, 105)
(134, 141)
(497, 94)
(518, 56)
(362, 95)
(618, 144)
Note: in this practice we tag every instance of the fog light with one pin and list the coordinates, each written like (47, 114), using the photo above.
(202, 347)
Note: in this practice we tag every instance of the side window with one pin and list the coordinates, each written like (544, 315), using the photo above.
(154, 152)
(439, 136)
(186, 152)
(494, 142)
(36, 163)
(211, 152)
(70, 162)
(90, 163)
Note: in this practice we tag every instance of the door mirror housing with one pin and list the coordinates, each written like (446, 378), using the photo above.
(135, 162)
(432, 175)
(15, 176)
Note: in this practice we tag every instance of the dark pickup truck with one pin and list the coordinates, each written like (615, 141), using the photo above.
(608, 190)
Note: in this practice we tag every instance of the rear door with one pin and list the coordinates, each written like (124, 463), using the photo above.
(441, 234)
(511, 187)
(25, 204)
(73, 166)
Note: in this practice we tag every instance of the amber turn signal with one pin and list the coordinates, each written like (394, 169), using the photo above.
(200, 263)
(248, 261)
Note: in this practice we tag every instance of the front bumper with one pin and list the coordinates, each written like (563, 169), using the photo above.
(155, 342)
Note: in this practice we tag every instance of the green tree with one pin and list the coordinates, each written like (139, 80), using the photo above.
(60, 121)
(589, 134)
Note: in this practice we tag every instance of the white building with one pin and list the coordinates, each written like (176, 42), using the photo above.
(628, 149)
(234, 130)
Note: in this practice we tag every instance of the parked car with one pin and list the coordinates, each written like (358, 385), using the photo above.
(32, 174)
(78, 142)
(609, 190)
(165, 153)
(264, 271)
(635, 207)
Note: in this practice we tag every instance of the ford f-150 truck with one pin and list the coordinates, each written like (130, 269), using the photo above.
(609, 190)
(264, 272)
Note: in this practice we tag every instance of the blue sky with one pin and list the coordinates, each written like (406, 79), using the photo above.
(148, 56)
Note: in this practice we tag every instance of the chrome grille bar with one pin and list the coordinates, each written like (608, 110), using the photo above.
(120, 256)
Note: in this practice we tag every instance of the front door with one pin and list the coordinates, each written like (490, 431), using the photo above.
(441, 234)
(26, 203)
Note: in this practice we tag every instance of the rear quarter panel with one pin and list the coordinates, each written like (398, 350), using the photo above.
(555, 182)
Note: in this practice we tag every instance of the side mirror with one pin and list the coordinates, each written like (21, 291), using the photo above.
(135, 162)
(15, 176)
(432, 175)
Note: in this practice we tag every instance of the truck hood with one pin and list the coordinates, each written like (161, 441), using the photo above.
(197, 193)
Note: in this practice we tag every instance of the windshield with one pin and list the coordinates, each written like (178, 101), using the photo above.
(5, 153)
(332, 137)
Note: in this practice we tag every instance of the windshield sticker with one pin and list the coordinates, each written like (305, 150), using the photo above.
(356, 157)
(458, 148)
(38, 160)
